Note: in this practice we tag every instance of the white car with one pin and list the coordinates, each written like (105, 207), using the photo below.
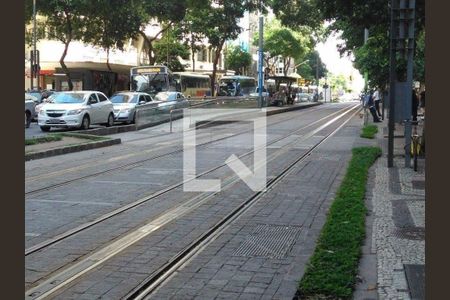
(76, 109)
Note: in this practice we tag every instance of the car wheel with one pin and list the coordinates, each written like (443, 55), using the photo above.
(85, 123)
(27, 119)
(45, 128)
(110, 120)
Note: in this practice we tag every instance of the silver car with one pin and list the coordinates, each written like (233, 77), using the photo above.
(30, 112)
(171, 101)
(126, 104)
(76, 109)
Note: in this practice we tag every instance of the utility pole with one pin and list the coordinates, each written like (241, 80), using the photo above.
(260, 58)
(317, 77)
(33, 53)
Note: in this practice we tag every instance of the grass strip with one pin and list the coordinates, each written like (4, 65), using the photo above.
(85, 136)
(43, 139)
(53, 137)
(369, 131)
(332, 269)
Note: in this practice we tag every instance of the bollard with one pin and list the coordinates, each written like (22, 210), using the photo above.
(170, 116)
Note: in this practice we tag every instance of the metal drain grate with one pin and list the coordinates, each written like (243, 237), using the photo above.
(271, 241)
(410, 233)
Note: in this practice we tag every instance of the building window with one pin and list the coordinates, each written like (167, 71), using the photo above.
(202, 55)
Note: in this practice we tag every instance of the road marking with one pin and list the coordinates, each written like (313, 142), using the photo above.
(31, 234)
(71, 202)
(126, 182)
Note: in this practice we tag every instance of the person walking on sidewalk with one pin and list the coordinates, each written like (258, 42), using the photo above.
(377, 100)
(369, 102)
(415, 105)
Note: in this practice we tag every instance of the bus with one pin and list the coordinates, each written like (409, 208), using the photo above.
(192, 84)
(151, 79)
(236, 85)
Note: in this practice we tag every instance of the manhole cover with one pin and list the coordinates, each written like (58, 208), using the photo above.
(410, 233)
(415, 275)
(271, 241)
(418, 184)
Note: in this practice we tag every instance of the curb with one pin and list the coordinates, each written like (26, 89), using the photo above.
(292, 108)
(71, 149)
(108, 130)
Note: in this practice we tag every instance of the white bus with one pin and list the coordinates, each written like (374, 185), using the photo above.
(192, 84)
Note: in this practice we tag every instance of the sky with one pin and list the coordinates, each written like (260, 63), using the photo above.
(339, 65)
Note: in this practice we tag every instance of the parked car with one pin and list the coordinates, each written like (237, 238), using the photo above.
(302, 97)
(265, 94)
(30, 112)
(76, 109)
(44, 101)
(126, 104)
(171, 100)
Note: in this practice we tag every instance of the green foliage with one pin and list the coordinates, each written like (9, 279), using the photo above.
(332, 269)
(236, 59)
(219, 23)
(43, 139)
(338, 82)
(169, 47)
(419, 58)
(285, 42)
(308, 70)
(369, 131)
(111, 23)
(373, 58)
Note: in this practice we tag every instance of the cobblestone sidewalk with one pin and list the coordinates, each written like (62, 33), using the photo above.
(395, 241)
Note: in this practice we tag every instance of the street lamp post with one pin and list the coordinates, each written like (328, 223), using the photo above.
(260, 58)
(33, 56)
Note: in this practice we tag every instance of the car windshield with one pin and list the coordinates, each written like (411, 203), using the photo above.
(165, 96)
(36, 94)
(123, 98)
(68, 98)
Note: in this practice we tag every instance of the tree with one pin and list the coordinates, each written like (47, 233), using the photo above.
(168, 49)
(64, 22)
(350, 18)
(219, 23)
(284, 42)
(110, 23)
(308, 70)
(167, 12)
(237, 59)
(192, 32)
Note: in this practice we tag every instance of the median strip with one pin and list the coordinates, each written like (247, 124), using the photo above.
(332, 269)
(62, 143)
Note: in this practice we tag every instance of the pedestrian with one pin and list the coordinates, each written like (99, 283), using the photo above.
(369, 102)
(377, 101)
(415, 105)
(422, 102)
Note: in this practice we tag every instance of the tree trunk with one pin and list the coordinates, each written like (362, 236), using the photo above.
(63, 65)
(193, 53)
(107, 60)
(216, 60)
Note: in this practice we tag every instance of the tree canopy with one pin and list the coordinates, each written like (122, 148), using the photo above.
(237, 59)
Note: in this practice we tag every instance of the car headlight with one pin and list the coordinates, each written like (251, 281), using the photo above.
(75, 111)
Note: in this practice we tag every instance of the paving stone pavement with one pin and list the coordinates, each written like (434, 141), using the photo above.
(393, 262)
(243, 262)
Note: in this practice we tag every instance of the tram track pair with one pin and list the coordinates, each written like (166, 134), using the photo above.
(142, 200)
(155, 226)
(132, 164)
(158, 278)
